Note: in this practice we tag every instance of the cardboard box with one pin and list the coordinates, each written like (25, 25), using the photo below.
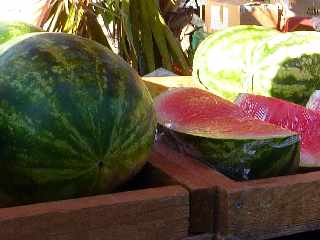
(220, 14)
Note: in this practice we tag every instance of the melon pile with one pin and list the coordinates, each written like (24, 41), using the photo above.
(75, 119)
(253, 124)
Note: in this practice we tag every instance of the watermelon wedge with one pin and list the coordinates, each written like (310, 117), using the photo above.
(291, 116)
(217, 132)
(314, 101)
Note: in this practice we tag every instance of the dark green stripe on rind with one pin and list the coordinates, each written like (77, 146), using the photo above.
(288, 66)
(259, 60)
(240, 159)
(68, 107)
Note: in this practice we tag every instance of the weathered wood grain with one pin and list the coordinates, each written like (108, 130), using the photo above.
(200, 180)
(155, 213)
(250, 210)
(205, 236)
(270, 208)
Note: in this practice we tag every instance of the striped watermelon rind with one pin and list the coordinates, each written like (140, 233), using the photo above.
(217, 132)
(12, 29)
(75, 119)
(283, 65)
(286, 66)
(222, 61)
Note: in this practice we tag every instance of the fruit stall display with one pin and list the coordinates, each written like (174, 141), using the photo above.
(270, 76)
(86, 147)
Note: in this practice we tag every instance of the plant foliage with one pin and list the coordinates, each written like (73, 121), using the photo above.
(135, 29)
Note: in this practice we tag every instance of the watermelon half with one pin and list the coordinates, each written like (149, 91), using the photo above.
(75, 119)
(291, 116)
(10, 30)
(283, 65)
(215, 131)
(314, 101)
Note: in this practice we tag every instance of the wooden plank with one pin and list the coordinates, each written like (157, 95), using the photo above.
(249, 210)
(206, 236)
(200, 180)
(157, 85)
(155, 213)
(155, 89)
(172, 81)
(270, 208)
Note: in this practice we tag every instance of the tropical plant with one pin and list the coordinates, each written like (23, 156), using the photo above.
(135, 29)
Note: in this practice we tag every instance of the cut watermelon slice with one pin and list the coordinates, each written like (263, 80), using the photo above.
(217, 132)
(314, 101)
(291, 116)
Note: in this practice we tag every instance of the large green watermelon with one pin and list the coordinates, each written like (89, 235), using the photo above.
(284, 65)
(10, 30)
(218, 133)
(288, 66)
(75, 119)
(221, 62)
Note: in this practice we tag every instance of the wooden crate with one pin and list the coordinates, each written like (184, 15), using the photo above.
(258, 209)
(153, 206)
(157, 85)
(144, 209)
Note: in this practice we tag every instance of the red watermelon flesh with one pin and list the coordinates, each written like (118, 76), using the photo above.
(314, 101)
(305, 122)
(218, 133)
(190, 110)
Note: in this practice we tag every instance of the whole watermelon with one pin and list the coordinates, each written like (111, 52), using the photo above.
(10, 30)
(221, 61)
(283, 65)
(75, 119)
